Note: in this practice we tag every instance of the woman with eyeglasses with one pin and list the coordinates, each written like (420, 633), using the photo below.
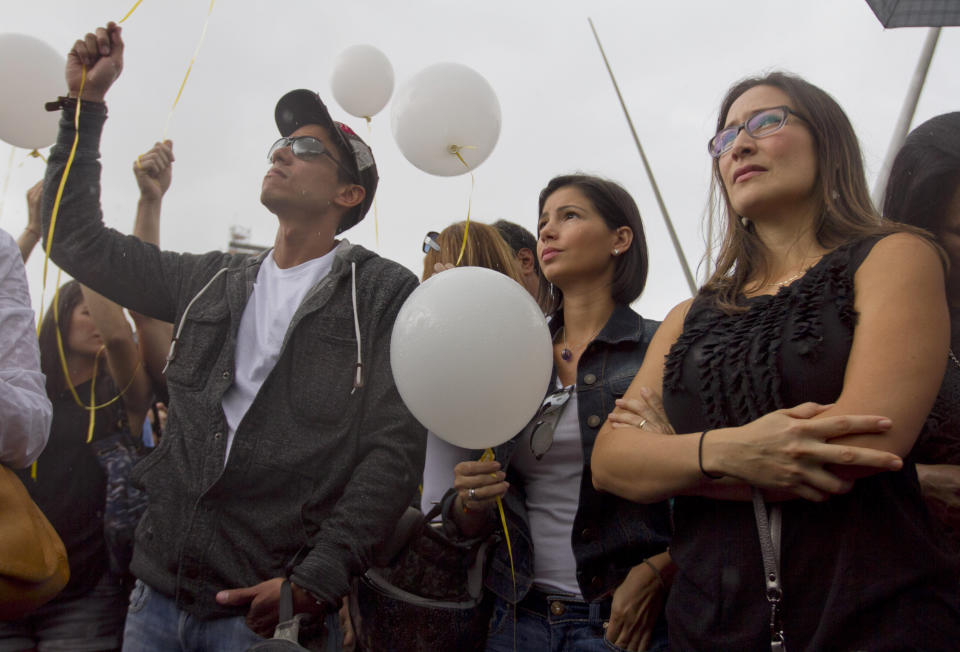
(590, 570)
(924, 191)
(798, 377)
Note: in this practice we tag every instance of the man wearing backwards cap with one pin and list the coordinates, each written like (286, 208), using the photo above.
(288, 452)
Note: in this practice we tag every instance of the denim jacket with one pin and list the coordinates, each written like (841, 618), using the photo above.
(611, 535)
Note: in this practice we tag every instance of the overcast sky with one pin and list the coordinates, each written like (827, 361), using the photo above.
(674, 60)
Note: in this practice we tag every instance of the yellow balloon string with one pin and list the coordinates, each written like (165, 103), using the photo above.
(455, 150)
(37, 154)
(93, 395)
(6, 178)
(93, 407)
(487, 457)
(136, 4)
(203, 34)
(376, 216)
(56, 201)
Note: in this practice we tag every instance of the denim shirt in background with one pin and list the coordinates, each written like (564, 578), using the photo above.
(611, 535)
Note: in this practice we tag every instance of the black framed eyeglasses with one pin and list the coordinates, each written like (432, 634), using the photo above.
(307, 148)
(759, 125)
(430, 242)
(545, 423)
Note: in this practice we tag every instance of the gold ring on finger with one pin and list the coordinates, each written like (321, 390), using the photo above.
(643, 422)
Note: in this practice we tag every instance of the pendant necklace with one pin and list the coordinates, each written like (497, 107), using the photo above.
(566, 354)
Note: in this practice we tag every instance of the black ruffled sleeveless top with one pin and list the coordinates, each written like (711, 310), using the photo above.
(860, 571)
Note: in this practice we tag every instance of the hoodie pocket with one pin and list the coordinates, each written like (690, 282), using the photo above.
(323, 360)
(199, 345)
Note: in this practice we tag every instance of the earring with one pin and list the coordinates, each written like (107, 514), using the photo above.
(616, 252)
(744, 221)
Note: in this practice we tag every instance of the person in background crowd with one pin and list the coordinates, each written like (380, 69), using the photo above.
(924, 191)
(485, 248)
(288, 452)
(524, 246)
(31, 232)
(69, 483)
(153, 171)
(25, 410)
(591, 570)
(797, 520)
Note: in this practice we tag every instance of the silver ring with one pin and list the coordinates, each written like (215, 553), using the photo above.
(642, 424)
(472, 493)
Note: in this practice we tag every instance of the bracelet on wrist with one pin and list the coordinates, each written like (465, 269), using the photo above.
(656, 571)
(70, 104)
(700, 458)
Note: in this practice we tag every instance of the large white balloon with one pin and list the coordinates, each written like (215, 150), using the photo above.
(471, 356)
(445, 108)
(31, 74)
(362, 80)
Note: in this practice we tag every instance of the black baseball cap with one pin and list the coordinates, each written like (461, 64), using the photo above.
(304, 107)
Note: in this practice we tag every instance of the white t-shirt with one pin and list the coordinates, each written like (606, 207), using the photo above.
(277, 293)
(552, 484)
(438, 474)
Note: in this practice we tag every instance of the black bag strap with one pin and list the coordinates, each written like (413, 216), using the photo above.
(286, 601)
(769, 529)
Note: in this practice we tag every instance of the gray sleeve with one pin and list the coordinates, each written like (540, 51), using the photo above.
(126, 270)
(384, 482)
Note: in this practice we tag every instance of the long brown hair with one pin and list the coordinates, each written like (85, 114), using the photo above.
(846, 211)
(485, 248)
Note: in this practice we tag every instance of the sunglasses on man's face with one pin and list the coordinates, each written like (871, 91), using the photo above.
(430, 242)
(306, 148)
(541, 436)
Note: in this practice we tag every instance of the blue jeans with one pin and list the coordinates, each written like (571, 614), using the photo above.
(155, 624)
(554, 623)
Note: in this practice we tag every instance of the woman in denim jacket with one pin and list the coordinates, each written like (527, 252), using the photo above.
(591, 569)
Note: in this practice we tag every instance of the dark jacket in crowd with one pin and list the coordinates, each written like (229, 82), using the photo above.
(611, 535)
(318, 472)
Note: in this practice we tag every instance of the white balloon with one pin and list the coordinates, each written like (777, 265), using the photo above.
(362, 80)
(31, 74)
(444, 108)
(471, 356)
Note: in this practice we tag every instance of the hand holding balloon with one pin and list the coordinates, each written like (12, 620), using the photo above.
(102, 55)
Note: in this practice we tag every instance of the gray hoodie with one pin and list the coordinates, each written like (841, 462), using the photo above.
(319, 471)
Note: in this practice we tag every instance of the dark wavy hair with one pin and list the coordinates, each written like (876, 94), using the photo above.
(617, 208)
(925, 174)
(846, 211)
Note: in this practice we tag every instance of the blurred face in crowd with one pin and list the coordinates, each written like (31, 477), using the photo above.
(83, 338)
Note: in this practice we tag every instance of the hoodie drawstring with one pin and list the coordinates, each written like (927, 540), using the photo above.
(358, 369)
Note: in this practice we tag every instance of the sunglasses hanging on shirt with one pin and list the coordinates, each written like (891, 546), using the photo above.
(545, 423)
